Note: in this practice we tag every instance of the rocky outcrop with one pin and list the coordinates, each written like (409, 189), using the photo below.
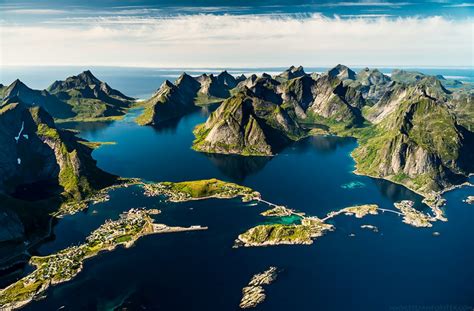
(246, 124)
(253, 294)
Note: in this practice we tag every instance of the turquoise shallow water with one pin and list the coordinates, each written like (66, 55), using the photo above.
(393, 269)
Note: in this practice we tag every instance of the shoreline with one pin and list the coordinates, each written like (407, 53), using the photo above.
(66, 264)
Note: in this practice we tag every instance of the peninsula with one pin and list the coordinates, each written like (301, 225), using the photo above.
(66, 264)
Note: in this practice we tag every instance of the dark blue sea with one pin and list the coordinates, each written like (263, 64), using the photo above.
(398, 268)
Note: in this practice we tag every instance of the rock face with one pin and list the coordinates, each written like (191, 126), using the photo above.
(37, 159)
(170, 101)
(246, 124)
(417, 140)
(341, 72)
(372, 84)
(335, 101)
(89, 97)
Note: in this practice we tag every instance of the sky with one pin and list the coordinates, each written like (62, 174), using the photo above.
(237, 33)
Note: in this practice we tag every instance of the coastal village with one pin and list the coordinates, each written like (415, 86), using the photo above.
(66, 264)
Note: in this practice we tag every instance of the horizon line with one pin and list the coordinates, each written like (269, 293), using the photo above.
(167, 67)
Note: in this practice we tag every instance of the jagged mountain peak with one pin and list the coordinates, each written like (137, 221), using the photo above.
(186, 80)
(342, 72)
(87, 77)
(17, 84)
(291, 73)
(227, 79)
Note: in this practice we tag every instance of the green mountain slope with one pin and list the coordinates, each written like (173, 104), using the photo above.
(90, 98)
(248, 125)
(39, 159)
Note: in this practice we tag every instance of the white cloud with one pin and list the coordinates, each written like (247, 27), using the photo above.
(33, 11)
(245, 41)
(460, 5)
(367, 3)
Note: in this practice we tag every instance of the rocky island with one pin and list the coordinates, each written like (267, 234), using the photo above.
(66, 264)
(412, 216)
(308, 228)
(253, 294)
(200, 190)
(469, 199)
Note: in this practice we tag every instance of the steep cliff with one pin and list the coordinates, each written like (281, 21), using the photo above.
(416, 140)
(38, 160)
(248, 125)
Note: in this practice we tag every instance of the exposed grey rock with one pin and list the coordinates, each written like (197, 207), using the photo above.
(254, 293)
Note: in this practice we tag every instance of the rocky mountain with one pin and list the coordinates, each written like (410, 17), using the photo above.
(299, 93)
(411, 129)
(37, 160)
(291, 73)
(228, 80)
(89, 97)
(416, 139)
(78, 97)
(52, 104)
(174, 100)
(335, 101)
(170, 101)
(341, 72)
(405, 76)
(371, 83)
(246, 124)
(214, 88)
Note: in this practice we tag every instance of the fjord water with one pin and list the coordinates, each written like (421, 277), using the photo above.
(393, 269)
